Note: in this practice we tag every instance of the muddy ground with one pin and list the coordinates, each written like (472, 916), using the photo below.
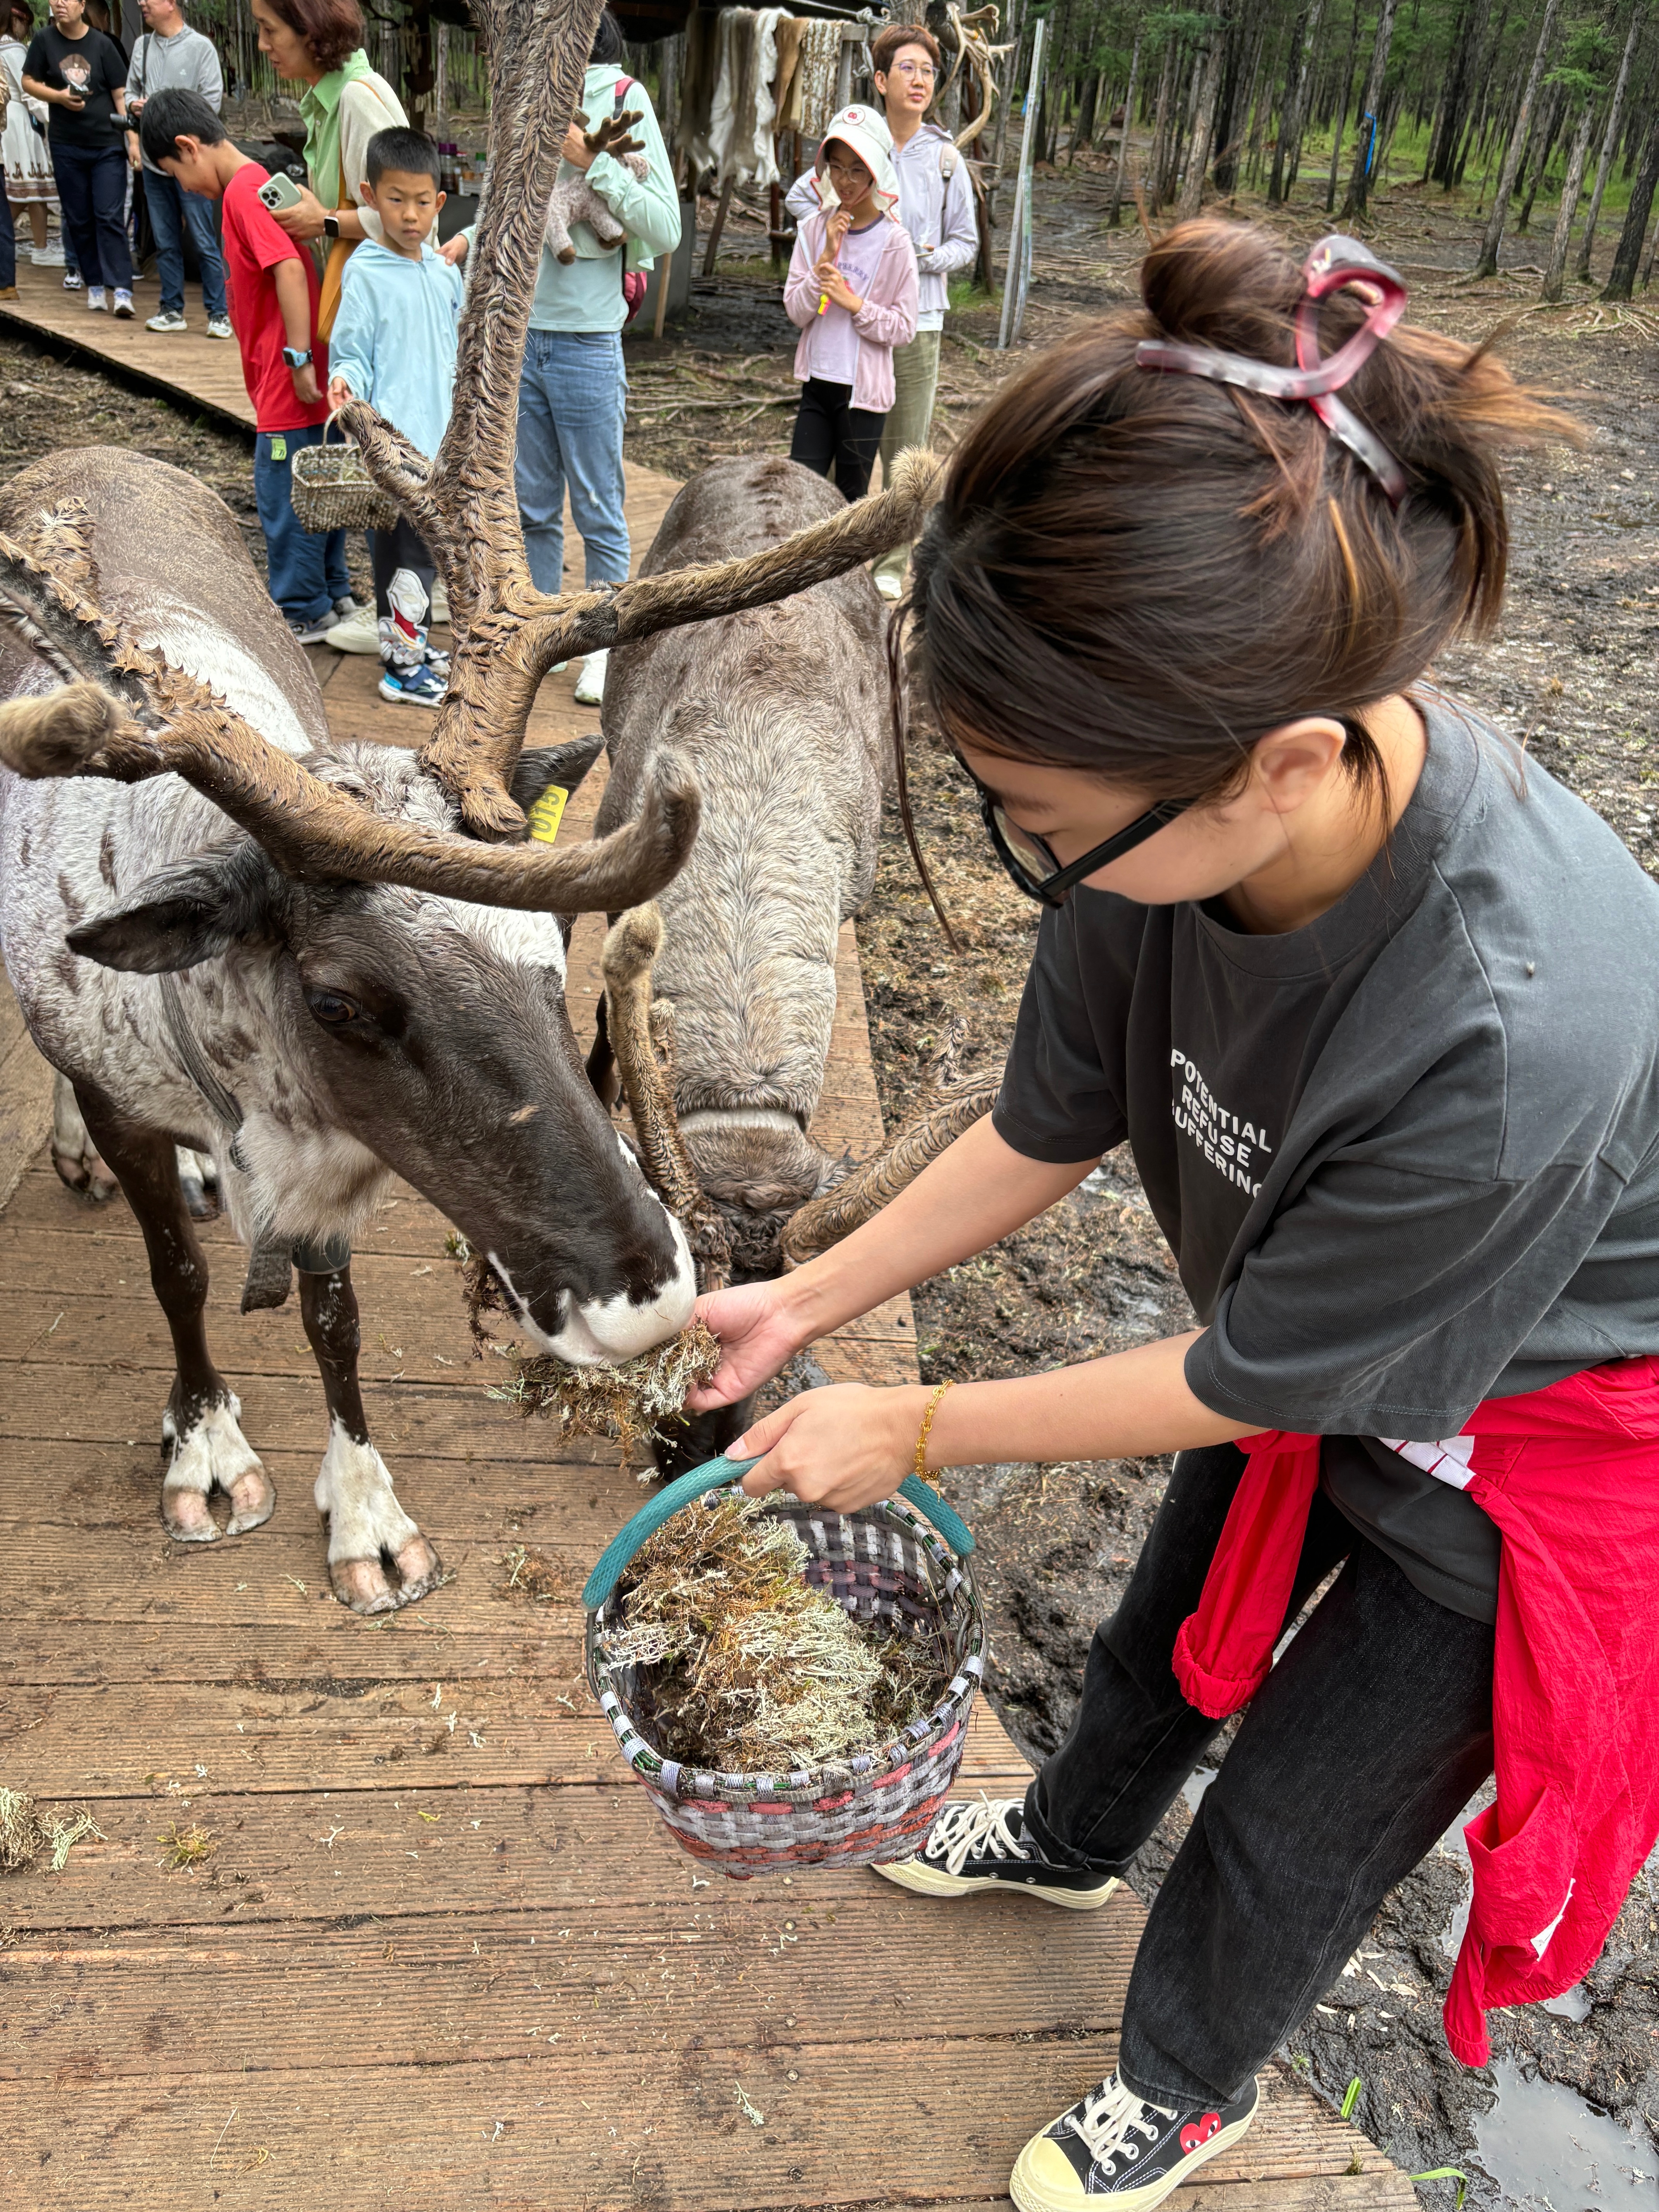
(1571, 673)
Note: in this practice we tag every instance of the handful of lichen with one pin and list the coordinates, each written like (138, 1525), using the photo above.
(629, 1400)
(744, 1665)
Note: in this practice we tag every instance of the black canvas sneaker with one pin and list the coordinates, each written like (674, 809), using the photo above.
(980, 1844)
(1114, 2152)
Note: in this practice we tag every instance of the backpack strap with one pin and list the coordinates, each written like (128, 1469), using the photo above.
(624, 86)
(949, 160)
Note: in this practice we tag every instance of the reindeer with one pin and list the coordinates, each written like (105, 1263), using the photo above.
(782, 713)
(327, 964)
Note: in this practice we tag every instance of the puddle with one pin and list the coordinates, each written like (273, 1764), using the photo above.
(1195, 1784)
(1549, 2151)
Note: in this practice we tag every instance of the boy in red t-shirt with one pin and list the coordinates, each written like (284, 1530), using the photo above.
(272, 284)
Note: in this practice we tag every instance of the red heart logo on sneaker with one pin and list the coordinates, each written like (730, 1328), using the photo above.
(1199, 2131)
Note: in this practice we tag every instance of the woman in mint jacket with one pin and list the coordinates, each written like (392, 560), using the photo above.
(573, 390)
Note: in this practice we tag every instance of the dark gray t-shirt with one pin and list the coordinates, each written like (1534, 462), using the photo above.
(1406, 1158)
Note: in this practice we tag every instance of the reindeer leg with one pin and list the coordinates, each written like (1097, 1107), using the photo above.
(202, 1423)
(367, 1526)
(73, 1152)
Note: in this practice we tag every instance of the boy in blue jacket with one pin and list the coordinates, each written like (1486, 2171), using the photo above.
(393, 344)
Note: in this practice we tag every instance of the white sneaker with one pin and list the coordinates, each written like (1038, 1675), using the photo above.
(95, 299)
(888, 585)
(590, 684)
(46, 257)
(219, 327)
(167, 320)
(72, 280)
(358, 633)
(439, 602)
(124, 304)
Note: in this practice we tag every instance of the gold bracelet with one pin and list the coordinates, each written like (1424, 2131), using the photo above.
(927, 1429)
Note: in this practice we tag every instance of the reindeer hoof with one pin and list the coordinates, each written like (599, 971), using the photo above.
(252, 1501)
(186, 1517)
(363, 1584)
(421, 1568)
(85, 1172)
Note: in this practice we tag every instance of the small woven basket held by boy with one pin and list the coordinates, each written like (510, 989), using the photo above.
(331, 489)
(888, 1568)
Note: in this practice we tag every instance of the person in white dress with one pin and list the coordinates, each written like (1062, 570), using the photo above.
(30, 182)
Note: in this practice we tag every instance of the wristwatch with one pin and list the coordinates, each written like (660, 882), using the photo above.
(295, 356)
(330, 226)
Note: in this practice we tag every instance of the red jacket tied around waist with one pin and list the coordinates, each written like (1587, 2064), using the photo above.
(1570, 1476)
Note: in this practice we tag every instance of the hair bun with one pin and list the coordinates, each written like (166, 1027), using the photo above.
(1232, 286)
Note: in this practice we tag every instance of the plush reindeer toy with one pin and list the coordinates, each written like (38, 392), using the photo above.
(574, 199)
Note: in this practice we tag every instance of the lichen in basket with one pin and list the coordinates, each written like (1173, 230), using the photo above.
(629, 1402)
(747, 1667)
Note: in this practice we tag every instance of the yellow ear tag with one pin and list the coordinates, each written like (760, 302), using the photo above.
(545, 815)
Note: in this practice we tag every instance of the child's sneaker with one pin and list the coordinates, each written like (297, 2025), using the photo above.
(95, 299)
(412, 687)
(980, 1844)
(312, 632)
(124, 304)
(1115, 2151)
(219, 327)
(72, 280)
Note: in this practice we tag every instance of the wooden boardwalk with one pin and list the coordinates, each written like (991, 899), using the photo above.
(441, 1955)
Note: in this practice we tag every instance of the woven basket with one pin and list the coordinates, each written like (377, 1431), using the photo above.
(882, 1563)
(333, 490)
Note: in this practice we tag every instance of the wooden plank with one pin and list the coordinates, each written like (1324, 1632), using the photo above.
(918, 2118)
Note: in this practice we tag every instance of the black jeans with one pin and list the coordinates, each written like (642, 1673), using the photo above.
(833, 437)
(92, 192)
(400, 547)
(1363, 1744)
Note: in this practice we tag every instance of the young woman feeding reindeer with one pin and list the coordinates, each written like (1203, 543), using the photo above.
(1374, 1003)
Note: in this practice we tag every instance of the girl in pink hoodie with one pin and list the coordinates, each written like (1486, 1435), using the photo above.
(852, 293)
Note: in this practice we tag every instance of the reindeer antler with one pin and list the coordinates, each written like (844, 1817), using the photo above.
(508, 634)
(127, 712)
(875, 1182)
(629, 951)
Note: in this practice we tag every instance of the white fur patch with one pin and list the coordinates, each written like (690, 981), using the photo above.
(213, 654)
(354, 1490)
(214, 1451)
(739, 1117)
(606, 1330)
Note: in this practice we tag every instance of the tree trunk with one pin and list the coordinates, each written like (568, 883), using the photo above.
(1493, 238)
(1160, 125)
(1115, 213)
(1370, 114)
(1344, 86)
(1457, 93)
(1289, 125)
(1555, 110)
(1197, 155)
(1556, 270)
(1083, 130)
(1627, 254)
(1609, 147)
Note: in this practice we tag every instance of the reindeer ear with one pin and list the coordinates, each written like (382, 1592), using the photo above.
(184, 915)
(564, 765)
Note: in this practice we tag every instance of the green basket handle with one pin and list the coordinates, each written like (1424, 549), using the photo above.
(688, 1488)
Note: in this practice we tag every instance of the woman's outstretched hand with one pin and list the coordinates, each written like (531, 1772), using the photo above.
(758, 1335)
(843, 1446)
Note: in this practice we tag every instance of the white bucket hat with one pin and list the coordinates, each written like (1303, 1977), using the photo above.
(865, 130)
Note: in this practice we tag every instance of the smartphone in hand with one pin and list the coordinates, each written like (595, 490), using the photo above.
(279, 193)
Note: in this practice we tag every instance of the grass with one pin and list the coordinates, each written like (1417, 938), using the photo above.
(26, 1832)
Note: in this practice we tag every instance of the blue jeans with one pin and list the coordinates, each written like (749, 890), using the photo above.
(92, 192)
(573, 395)
(171, 207)
(307, 573)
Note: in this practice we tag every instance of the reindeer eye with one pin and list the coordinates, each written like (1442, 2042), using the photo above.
(333, 1008)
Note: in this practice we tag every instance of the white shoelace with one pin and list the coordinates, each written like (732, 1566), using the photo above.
(968, 1832)
(1110, 2115)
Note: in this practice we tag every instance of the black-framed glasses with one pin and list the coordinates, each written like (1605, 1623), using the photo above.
(1032, 862)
